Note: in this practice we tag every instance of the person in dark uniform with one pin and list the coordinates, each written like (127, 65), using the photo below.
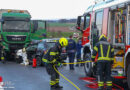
(51, 58)
(71, 50)
(105, 59)
(78, 55)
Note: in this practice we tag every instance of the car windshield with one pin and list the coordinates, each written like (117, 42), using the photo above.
(16, 26)
(50, 44)
(42, 46)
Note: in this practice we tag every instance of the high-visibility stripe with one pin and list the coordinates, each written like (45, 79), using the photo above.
(95, 48)
(104, 58)
(101, 50)
(108, 51)
(2, 58)
(100, 84)
(109, 82)
(112, 50)
(52, 82)
(44, 60)
(52, 53)
(93, 56)
(54, 60)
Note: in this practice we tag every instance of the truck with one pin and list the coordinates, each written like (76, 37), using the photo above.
(111, 18)
(15, 31)
(40, 29)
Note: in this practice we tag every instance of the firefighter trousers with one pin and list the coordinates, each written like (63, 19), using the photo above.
(104, 73)
(54, 75)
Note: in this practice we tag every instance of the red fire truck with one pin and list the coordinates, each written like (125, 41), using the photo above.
(112, 18)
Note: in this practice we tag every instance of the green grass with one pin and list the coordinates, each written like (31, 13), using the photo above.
(59, 34)
(61, 24)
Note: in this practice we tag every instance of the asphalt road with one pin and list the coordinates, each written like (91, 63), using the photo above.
(18, 77)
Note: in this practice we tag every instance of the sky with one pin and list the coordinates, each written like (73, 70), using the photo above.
(49, 9)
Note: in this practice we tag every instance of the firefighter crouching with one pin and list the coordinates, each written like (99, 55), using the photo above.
(51, 58)
(105, 59)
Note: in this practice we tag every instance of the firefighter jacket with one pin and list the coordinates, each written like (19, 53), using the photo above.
(104, 49)
(53, 55)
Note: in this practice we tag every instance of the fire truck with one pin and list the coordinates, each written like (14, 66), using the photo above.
(112, 18)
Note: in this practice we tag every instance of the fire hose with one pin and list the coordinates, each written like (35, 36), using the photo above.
(67, 78)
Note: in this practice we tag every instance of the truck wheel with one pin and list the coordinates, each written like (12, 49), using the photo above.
(88, 65)
(128, 76)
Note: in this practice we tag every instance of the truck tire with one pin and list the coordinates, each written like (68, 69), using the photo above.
(128, 76)
(88, 66)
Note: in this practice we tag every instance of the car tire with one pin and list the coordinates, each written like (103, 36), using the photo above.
(88, 66)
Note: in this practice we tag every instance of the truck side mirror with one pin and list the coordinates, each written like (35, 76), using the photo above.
(78, 22)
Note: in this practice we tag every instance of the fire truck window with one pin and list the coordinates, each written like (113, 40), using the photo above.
(99, 17)
(82, 23)
(87, 21)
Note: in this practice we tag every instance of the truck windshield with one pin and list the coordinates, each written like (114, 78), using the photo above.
(16, 26)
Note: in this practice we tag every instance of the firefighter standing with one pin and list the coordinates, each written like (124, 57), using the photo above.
(71, 49)
(51, 58)
(105, 59)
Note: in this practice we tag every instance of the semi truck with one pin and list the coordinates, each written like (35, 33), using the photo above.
(15, 31)
(40, 29)
(111, 18)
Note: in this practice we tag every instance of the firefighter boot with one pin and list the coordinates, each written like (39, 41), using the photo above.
(101, 88)
(109, 88)
(58, 86)
(53, 87)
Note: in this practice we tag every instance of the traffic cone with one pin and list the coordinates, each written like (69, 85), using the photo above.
(34, 63)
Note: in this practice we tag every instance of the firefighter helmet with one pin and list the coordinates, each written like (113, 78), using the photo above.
(63, 42)
(103, 36)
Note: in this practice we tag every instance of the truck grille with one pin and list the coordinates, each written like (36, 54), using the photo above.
(16, 37)
(16, 46)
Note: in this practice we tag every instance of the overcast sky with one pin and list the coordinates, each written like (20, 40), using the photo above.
(49, 9)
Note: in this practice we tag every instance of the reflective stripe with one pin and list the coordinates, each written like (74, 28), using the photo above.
(95, 48)
(54, 60)
(112, 50)
(108, 51)
(2, 58)
(112, 58)
(101, 50)
(93, 56)
(52, 53)
(104, 58)
(45, 60)
(57, 81)
(52, 82)
(100, 84)
(109, 83)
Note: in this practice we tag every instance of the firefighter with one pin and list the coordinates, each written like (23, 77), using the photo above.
(51, 58)
(71, 49)
(105, 59)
